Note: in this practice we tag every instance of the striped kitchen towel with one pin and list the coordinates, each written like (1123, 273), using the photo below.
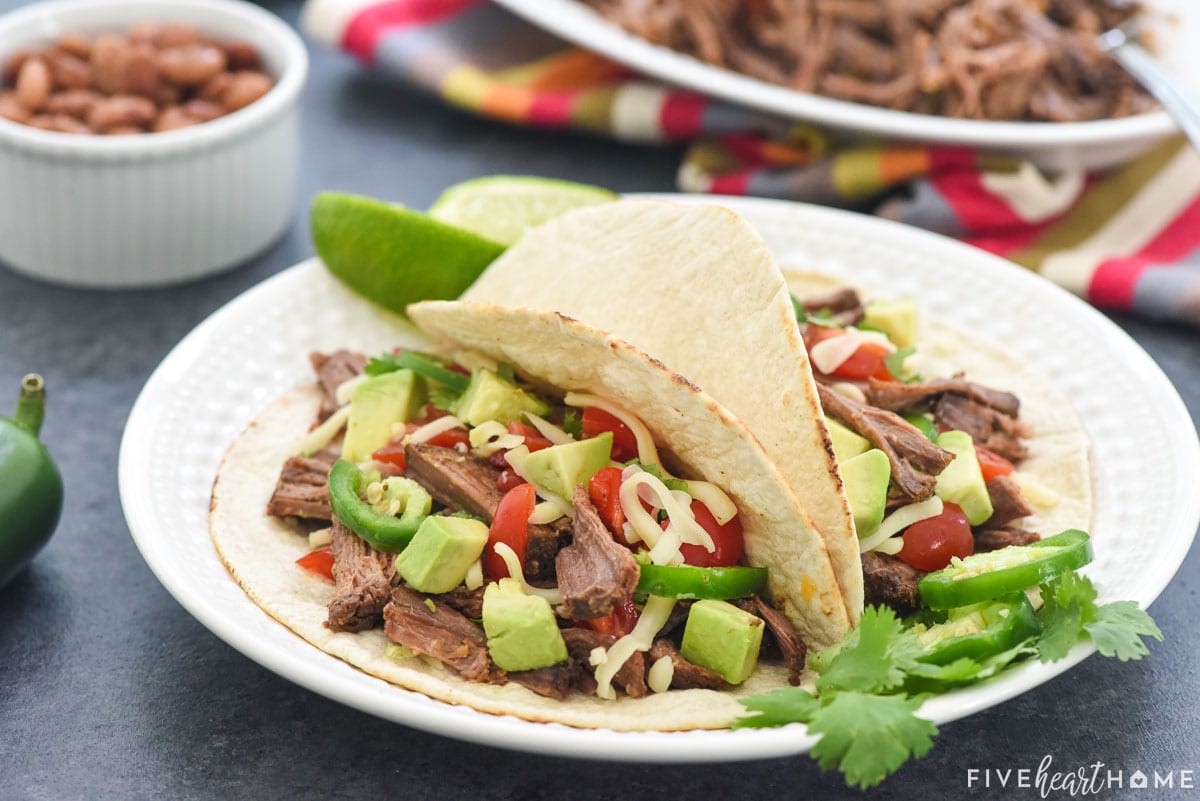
(1126, 240)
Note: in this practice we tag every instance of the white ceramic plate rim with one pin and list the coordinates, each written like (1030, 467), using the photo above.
(571, 20)
(335, 679)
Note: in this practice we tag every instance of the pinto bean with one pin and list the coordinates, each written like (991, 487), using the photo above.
(120, 110)
(241, 55)
(191, 65)
(172, 118)
(11, 109)
(124, 130)
(75, 44)
(204, 110)
(13, 64)
(141, 71)
(75, 102)
(215, 88)
(34, 84)
(70, 72)
(61, 123)
(177, 34)
(246, 87)
(110, 53)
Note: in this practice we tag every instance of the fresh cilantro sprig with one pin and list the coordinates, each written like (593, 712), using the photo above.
(572, 423)
(894, 362)
(1069, 611)
(654, 470)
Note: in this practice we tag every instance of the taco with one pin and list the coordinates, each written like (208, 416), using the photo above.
(642, 553)
(697, 287)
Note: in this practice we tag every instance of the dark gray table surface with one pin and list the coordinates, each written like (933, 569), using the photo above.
(109, 689)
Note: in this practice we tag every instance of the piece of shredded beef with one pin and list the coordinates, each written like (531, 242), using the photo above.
(988, 538)
(468, 483)
(363, 577)
(984, 59)
(469, 602)
(898, 397)
(303, 488)
(1007, 503)
(792, 648)
(890, 582)
(843, 306)
(988, 427)
(594, 572)
(630, 679)
(555, 681)
(687, 675)
(333, 370)
(440, 632)
(916, 462)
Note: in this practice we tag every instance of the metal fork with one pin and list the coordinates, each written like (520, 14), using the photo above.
(1154, 77)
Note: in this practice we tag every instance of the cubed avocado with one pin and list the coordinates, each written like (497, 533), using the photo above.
(897, 318)
(441, 553)
(846, 443)
(560, 468)
(522, 632)
(866, 477)
(722, 638)
(491, 396)
(378, 402)
(962, 480)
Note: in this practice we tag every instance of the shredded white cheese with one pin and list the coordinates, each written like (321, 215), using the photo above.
(899, 520)
(345, 390)
(323, 434)
(546, 512)
(890, 546)
(320, 538)
(517, 572)
(487, 438)
(642, 527)
(548, 430)
(474, 579)
(660, 674)
(432, 429)
(654, 617)
(830, 354)
(848, 390)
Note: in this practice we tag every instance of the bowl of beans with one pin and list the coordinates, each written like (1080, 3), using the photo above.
(145, 142)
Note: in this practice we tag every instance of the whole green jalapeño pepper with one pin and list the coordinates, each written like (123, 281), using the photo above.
(31, 490)
(685, 581)
(984, 576)
(386, 532)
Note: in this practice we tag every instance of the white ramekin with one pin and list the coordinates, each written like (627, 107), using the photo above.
(143, 210)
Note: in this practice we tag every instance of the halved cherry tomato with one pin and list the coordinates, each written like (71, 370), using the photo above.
(533, 439)
(458, 368)
(319, 561)
(618, 623)
(603, 488)
(992, 464)
(451, 438)
(392, 453)
(726, 538)
(597, 421)
(930, 544)
(510, 526)
(508, 479)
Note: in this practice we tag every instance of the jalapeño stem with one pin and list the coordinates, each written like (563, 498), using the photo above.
(31, 404)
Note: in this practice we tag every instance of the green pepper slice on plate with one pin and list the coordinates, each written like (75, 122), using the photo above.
(385, 532)
(717, 583)
(985, 576)
(979, 631)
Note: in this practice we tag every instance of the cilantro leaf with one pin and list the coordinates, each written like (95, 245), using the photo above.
(1069, 602)
(872, 658)
(1117, 630)
(506, 372)
(867, 737)
(894, 362)
(672, 484)
(798, 309)
(442, 397)
(572, 423)
(779, 707)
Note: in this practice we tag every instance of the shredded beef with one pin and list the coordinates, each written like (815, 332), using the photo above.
(890, 582)
(442, 633)
(363, 577)
(594, 572)
(303, 488)
(844, 306)
(687, 675)
(984, 59)
(554, 681)
(1007, 503)
(469, 602)
(333, 370)
(468, 483)
(631, 678)
(993, 539)
(790, 645)
(898, 397)
(908, 450)
(988, 427)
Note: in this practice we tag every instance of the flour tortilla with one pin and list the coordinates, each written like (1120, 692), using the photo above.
(704, 441)
(698, 289)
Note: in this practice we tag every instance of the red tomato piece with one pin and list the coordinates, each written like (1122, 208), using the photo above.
(992, 464)
(319, 561)
(430, 414)
(727, 539)
(510, 526)
(866, 362)
(603, 488)
(451, 438)
(458, 368)
(508, 479)
(618, 623)
(930, 544)
(533, 438)
(393, 454)
(597, 421)
(814, 333)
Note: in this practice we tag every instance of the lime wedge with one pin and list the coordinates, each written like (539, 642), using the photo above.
(503, 207)
(393, 255)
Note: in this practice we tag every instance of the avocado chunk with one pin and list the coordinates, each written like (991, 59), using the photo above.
(866, 477)
(722, 638)
(962, 480)
(560, 468)
(378, 402)
(522, 632)
(491, 396)
(441, 553)
(897, 318)
(846, 443)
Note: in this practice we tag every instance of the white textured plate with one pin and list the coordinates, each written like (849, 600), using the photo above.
(1091, 145)
(255, 348)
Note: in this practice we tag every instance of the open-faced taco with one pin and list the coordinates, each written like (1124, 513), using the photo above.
(540, 521)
